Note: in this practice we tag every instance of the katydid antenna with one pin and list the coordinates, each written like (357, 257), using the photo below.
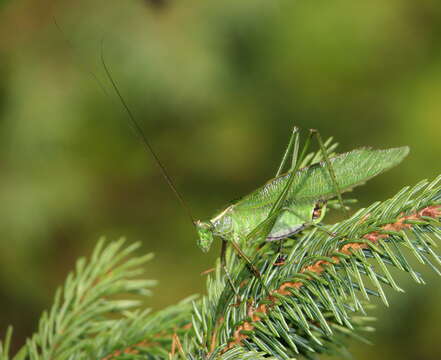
(132, 120)
(143, 138)
(81, 65)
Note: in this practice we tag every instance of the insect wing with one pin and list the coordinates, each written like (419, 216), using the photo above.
(315, 183)
(351, 169)
(301, 190)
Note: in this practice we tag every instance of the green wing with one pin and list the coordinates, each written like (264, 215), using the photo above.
(314, 182)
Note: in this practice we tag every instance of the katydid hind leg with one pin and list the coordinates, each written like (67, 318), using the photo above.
(261, 231)
(278, 204)
(295, 154)
(266, 227)
(330, 169)
(293, 146)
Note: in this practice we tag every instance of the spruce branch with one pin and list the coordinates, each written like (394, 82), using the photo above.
(145, 334)
(308, 302)
(5, 345)
(81, 307)
(93, 315)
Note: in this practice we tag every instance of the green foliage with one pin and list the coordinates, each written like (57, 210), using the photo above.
(308, 304)
(4, 346)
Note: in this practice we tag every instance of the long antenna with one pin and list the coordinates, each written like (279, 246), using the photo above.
(134, 124)
(138, 130)
(81, 65)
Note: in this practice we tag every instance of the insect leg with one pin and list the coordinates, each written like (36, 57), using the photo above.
(330, 169)
(280, 246)
(249, 263)
(279, 202)
(262, 230)
(223, 252)
(293, 145)
(242, 255)
(224, 265)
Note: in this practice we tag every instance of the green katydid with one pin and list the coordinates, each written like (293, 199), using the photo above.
(288, 202)
(307, 187)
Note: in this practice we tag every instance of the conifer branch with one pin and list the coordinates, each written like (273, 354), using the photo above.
(5, 344)
(92, 315)
(309, 302)
(319, 296)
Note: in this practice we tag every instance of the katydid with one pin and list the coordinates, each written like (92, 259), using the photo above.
(287, 203)
(310, 186)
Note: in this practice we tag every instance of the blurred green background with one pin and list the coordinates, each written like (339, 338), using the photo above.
(217, 86)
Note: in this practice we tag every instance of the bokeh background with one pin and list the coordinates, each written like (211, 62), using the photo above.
(217, 86)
